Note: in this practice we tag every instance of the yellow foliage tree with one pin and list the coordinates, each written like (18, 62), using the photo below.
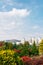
(41, 47)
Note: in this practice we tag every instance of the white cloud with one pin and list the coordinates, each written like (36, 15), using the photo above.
(13, 14)
(20, 12)
(16, 12)
(35, 27)
(11, 23)
(12, 18)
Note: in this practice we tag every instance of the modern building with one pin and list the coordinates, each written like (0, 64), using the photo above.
(13, 41)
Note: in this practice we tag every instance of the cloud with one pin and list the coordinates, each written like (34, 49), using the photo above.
(20, 12)
(35, 27)
(12, 18)
(16, 12)
(11, 23)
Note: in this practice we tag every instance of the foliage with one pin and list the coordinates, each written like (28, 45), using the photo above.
(8, 45)
(35, 50)
(41, 48)
(37, 61)
(24, 48)
(9, 57)
(27, 60)
(13, 54)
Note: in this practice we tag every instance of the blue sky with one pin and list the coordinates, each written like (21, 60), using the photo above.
(21, 19)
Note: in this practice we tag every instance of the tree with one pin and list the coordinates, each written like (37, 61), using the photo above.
(25, 48)
(8, 45)
(41, 47)
(26, 44)
(34, 49)
(15, 45)
(1, 45)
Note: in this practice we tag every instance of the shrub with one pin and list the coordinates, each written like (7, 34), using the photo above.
(27, 60)
(37, 61)
(9, 57)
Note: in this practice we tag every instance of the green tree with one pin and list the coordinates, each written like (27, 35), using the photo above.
(15, 45)
(8, 45)
(26, 44)
(25, 49)
(34, 49)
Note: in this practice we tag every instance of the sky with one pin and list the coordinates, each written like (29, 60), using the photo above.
(21, 19)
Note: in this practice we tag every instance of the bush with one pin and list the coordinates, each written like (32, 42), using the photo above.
(9, 57)
(37, 61)
(26, 60)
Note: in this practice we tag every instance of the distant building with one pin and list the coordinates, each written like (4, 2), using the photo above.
(13, 41)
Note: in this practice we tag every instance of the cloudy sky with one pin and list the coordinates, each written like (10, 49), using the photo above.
(21, 19)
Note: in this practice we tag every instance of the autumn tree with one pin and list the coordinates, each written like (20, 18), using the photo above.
(41, 47)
